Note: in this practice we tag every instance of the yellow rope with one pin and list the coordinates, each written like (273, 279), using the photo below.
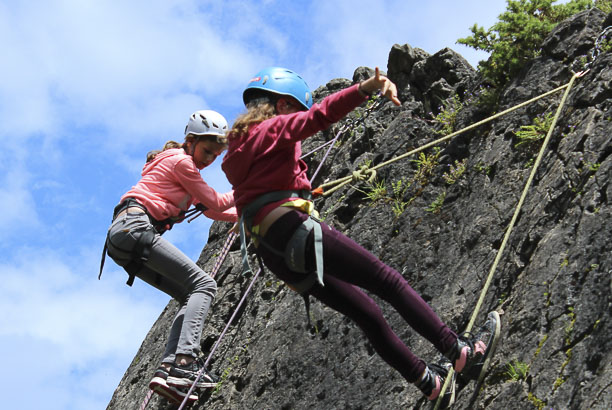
(337, 184)
(511, 225)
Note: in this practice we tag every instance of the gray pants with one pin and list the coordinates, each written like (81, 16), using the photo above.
(171, 271)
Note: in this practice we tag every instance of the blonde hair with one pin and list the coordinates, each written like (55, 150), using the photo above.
(256, 114)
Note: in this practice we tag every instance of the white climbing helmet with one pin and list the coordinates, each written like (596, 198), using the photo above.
(206, 122)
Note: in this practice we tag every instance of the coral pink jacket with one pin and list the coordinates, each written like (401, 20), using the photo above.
(171, 183)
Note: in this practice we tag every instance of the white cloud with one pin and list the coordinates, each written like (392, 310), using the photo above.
(58, 322)
(118, 65)
(17, 203)
(57, 299)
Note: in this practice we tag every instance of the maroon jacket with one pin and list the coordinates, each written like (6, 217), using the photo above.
(268, 158)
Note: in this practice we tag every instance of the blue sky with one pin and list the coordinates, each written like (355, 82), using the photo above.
(86, 89)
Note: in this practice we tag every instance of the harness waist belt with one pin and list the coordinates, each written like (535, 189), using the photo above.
(294, 252)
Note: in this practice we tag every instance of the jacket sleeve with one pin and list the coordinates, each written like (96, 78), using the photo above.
(295, 127)
(228, 215)
(190, 179)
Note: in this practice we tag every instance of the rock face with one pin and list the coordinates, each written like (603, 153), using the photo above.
(442, 230)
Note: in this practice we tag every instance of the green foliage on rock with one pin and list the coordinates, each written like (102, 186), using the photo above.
(604, 5)
(516, 37)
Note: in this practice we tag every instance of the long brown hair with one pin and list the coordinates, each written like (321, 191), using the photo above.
(168, 145)
(255, 114)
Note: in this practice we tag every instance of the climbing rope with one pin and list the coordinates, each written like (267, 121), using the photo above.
(375, 101)
(365, 172)
(351, 123)
(226, 246)
(517, 211)
(214, 348)
(146, 400)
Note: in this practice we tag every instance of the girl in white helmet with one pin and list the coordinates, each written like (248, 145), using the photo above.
(170, 184)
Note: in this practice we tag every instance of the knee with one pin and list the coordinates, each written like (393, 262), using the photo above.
(205, 283)
(369, 317)
(391, 281)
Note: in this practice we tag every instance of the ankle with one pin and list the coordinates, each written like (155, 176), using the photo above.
(183, 360)
(459, 354)
(428, 383)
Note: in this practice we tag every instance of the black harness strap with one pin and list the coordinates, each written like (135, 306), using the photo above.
(104, 252)
(140, 255)
(142, 249)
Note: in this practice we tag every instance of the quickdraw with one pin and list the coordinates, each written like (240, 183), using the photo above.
(604, 36)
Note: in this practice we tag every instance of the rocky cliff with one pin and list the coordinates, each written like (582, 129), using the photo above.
(439, 218)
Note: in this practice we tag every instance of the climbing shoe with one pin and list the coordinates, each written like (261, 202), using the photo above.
(471, 354)
(185, 376)
(432, 382)
(160, 386)
(159, 377)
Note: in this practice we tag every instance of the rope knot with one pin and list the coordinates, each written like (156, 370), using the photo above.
(364, 173)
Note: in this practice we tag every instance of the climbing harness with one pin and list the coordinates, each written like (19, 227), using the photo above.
(142, 248)
(294, 251)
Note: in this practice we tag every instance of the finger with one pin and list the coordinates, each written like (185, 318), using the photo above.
(395, 100)
(377, 74)
(385, 87)
(390, 91)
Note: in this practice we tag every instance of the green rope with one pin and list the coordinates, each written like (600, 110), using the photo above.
(337, 184)
(511, 225)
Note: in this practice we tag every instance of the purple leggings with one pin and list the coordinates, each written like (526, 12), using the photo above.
(349, 266)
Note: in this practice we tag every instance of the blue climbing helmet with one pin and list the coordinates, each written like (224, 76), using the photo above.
(280, 81)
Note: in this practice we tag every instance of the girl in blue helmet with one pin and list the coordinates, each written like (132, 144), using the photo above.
(271, 195)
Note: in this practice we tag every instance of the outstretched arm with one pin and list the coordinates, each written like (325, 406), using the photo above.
(287, 129)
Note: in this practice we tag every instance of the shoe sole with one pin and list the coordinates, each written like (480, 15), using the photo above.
(179, 382)
(490, 347)
(160, 387)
